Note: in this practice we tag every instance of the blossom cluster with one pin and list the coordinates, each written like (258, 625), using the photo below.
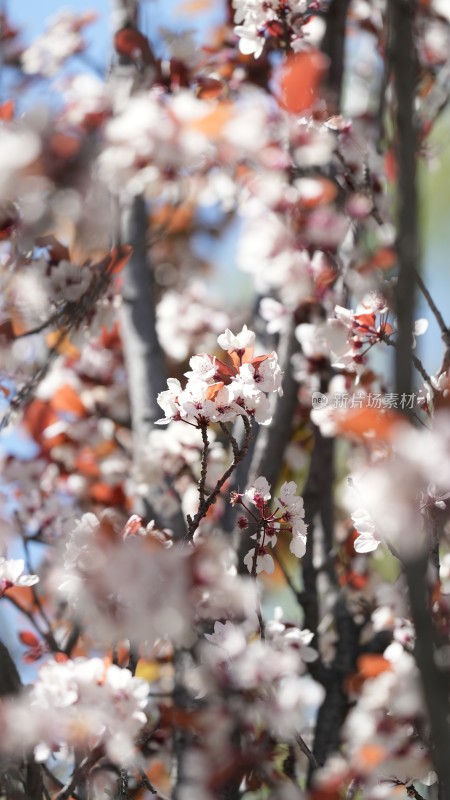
(62, 39)
(288, 517)
(256, 22)
(218, 392)
(79, 703)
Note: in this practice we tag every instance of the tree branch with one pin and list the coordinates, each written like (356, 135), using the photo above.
(404, 68)
(268, 454)
(194, 522)
(333, 46)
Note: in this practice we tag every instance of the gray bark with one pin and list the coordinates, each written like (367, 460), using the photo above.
(405, 74)
(144, 358)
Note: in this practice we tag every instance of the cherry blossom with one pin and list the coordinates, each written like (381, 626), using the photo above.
(76, 703)
(218, 392)
(62, 39)
(368, 538)
(11, 574)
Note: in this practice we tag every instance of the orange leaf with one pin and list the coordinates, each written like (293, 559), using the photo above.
(173, 219)
(189, 7)
(211, 125)
(385, 258)
(368, 320)
(65, 346)
(213, 390)
(7, 110)
(375, 423)
(86, 463)
(370, 665)
(29, 638)
(300, 80)
(370, 755)
(255, 362)
(18, 322)
(66, 401)
(107, 495)
(38, 417)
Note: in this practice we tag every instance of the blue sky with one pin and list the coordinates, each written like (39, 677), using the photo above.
(31, 16)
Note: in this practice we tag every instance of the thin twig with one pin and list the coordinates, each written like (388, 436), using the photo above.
(416, 361)
(405, 74)
(79, 772)
(231, 439)
(194, 522)
(306, 751)
(432, 304)
(204, 462)
(59, 784)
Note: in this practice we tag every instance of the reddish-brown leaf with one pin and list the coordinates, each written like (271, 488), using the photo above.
(67, 401)
(29, 639)
(7, 110)
(133, 45)
(107, 495)
(86, 463)
(213, 390)
(300, 80)
(374, 423)
(211, 125)
(210, 88)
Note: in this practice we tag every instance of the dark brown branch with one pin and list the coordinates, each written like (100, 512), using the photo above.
(10, 685)
(194, 522)
(333, 46)
(437, 314)
(204, 462)
(404, 70)
(404, 73)
(79, 774)
(268, 454)
(305, 750)
(143, 355)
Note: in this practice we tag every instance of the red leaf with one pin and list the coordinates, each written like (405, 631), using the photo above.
(64, 146)
(133, 45)
(29, 639)
(107, 495)
(209, 88)
(223, 370)
(66, 401)
(300, 80)
(255, 362)
(7, 110)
